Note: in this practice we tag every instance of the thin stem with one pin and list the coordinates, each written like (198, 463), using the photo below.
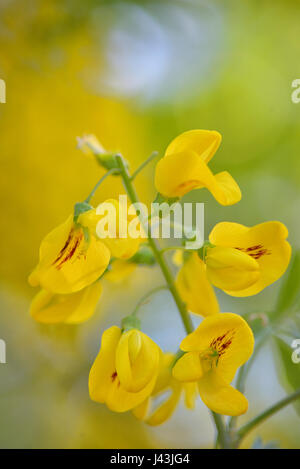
(245, 429)
(108, 173)
(143, 165)
(187, 322)
(222, 437)
(148, 295)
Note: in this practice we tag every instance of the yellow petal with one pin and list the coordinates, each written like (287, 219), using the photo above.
(120, 400)
(140, 412)
(86, 308)
(104, 383)
(164, 397)
(177, 174)
(166, 409)
(67, 262)
(195, 289)
(103, 369)
(228, 334)
(188, 367)
(137, 360)
(190, 394)
(266, 243)
(119, 242)
(231, 269)
(220, 397)
(203, 142)
(177, 258)
(73, 308)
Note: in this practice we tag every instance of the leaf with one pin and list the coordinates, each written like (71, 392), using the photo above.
(289, 372)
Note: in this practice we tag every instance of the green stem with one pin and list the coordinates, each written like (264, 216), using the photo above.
(148, 295)
(143, 165)
(222, 437)
(108, 173)
(245, 429)
(127, 181)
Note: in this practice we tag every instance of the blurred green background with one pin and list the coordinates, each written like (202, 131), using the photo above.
(136, 74)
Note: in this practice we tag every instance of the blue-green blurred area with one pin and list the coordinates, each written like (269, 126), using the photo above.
(136, 74)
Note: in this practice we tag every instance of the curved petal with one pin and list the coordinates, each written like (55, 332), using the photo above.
(220, 397)
(87, 304)
(229, 268)
(195, 289)
(52, 244)
(137, 360)
(103, 370)
(74, 308)
(228, 334)
(179, 173)
(120, 400)
(104, 383)
(188, 368)
(166, 409)
(140, 412)
(119, 242)
(190, 394)
(51, 309)
(203, 142)
(266, 243)
(77, 268)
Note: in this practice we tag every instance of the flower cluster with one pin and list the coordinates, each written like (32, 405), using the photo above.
(131, 372)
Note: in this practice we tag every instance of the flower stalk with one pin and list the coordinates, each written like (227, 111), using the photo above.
(127, 181)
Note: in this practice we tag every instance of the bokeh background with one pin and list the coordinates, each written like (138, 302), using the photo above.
(136, 74)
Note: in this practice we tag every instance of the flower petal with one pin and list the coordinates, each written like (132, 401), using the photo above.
(195, 289)
(103, 368)
(227, 333)
(203, 142)
(231, 269)
(188, 368)
(266, 243)
(137, 360)
(220, 397)
(179, 173)
(166, 409)
(73, 308)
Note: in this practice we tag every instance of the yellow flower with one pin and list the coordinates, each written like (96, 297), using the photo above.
(230, 269)
(215, 350)
(166, 384)
(194, 288)
(108, 225)
(256, 256)
(68, 261)
(125, 370)
(74, 308)
(184, 167)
